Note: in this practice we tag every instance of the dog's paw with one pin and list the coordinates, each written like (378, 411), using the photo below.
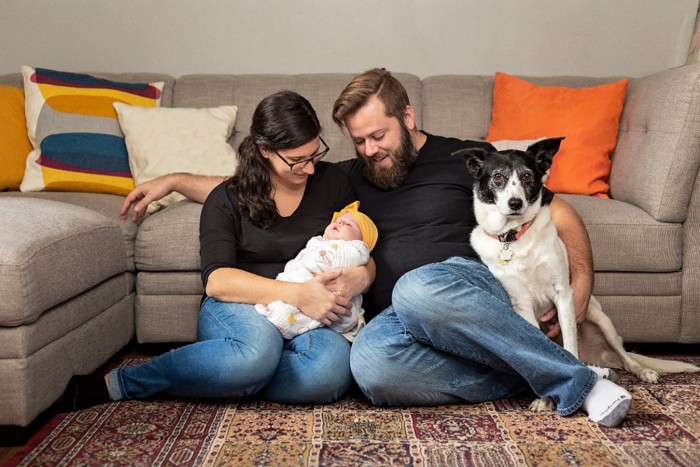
(604, 373)
(545, 404)
(648, 375)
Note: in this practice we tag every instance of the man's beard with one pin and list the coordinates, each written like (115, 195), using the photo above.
(403, 160)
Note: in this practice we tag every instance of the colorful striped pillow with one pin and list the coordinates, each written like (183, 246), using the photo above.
(73, 127)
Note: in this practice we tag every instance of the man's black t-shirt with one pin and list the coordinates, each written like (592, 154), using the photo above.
(228, 240)
(428, 219)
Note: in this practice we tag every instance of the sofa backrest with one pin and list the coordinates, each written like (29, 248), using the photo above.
(460, 105)
(13, 79)
(655, 163)
(246, 91)
(656, 160)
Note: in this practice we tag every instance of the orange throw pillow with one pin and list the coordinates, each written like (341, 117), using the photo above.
(588, 117)
(14, 142)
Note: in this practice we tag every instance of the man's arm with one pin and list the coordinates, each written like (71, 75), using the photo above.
(194, 187)
(573, 233)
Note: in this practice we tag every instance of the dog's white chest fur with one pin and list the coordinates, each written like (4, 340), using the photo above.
(537, 270)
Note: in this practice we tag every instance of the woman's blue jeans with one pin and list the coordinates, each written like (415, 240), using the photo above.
(452, 336)
(239, 353)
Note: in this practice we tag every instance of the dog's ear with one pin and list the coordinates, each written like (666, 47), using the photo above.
(544, 152)
(474, 158)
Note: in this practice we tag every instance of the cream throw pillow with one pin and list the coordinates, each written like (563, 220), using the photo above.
(166, 140)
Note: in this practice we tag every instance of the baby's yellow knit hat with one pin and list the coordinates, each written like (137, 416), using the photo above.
(367, 227)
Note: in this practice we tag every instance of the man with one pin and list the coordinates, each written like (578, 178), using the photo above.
(445, 331)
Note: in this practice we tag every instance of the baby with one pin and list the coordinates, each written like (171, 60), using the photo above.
(346, 242)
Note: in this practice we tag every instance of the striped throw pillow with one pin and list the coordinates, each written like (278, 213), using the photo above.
(77, 142)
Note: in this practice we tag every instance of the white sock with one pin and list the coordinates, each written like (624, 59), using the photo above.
(607, 403)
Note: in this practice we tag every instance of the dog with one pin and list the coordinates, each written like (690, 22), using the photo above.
(517, 240)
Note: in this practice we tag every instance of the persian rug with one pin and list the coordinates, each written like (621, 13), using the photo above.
(662, 429)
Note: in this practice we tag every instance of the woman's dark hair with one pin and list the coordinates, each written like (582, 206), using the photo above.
(284, 120)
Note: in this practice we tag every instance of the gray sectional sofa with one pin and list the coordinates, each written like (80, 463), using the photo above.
(77, 283)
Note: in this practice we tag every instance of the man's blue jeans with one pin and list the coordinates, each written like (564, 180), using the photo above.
(239, 353)
(452, 336)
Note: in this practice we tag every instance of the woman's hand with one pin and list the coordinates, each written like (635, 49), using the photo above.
(144, 194)
(320, 301)
(193, 187)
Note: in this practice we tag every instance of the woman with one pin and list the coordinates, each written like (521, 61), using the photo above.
(250, 227)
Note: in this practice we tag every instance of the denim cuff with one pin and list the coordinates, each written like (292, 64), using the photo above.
(566, 411)
(115, 390)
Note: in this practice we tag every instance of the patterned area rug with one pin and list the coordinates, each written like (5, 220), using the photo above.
(662, 429)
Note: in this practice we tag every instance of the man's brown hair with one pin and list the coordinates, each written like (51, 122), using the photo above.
(377, 81)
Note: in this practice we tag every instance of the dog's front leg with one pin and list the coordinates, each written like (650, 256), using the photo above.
(522, 303)
(566, 313)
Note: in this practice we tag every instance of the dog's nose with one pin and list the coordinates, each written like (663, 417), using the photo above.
(515, 204)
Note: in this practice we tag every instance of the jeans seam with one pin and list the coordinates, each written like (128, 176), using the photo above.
(215, 316)
(303, 354)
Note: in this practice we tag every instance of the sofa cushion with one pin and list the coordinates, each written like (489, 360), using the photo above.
(14, 142)
(167, 140)
(102, 203)
(166, 318)
(78, 144)
(50, 252)
(168, 240)
(626, 238)
(23, 341)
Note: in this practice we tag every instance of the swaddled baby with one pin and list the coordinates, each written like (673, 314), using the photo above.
(346, 242)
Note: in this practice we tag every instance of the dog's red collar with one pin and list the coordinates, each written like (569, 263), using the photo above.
(513, 234)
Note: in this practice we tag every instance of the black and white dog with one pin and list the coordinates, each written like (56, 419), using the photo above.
(517, 240)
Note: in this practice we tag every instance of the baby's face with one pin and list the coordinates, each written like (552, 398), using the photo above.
(345, 227)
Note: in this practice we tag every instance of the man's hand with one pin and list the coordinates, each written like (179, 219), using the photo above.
(141, 196)
(549, 323)
(353, 281)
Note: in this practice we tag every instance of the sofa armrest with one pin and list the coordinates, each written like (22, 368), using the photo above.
(656, 160)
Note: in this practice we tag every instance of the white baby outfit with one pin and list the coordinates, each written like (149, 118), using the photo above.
(319, 256)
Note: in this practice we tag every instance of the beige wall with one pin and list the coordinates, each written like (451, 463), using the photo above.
(425, 37)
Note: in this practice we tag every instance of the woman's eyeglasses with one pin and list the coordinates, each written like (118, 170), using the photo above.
(298, 166)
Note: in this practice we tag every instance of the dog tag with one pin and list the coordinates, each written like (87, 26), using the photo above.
(506, 254)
